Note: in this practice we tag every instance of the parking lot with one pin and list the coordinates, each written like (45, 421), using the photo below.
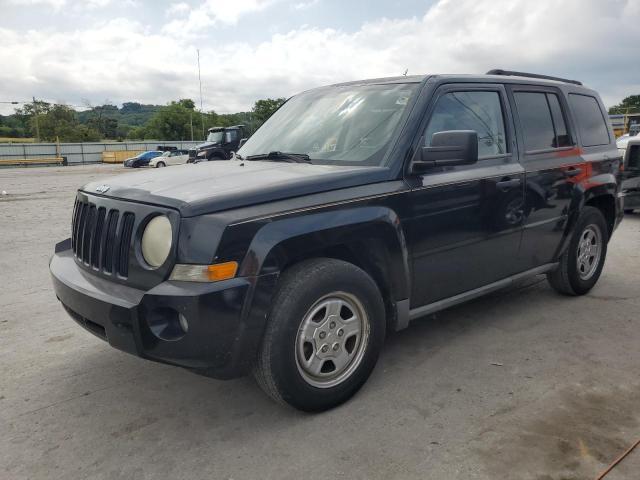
(522, 384)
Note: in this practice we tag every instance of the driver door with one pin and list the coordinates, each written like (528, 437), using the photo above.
(465, 223)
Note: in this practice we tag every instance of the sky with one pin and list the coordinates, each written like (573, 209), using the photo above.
(82, 52)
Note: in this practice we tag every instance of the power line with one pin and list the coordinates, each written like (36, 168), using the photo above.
(22, 102)
(200, 82)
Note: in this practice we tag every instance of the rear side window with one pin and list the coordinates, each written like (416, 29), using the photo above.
(543, 124)
(231, 135)
(480, 111)
(591, 123)
(633, 162)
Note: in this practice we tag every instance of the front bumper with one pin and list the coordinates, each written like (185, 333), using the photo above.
(225, 319)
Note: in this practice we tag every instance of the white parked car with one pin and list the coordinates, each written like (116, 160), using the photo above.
(173, 157)
(623, 141)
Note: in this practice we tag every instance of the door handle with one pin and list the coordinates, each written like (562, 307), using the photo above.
(573, 172)
(507, 184)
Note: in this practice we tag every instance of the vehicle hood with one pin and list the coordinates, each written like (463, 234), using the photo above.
(624, 140)
(207, 145)
(208, 187)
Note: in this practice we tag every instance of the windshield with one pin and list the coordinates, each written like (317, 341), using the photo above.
(350, 124)
(166, 154)
(215, 137)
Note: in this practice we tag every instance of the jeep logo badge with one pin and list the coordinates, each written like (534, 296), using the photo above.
(102, 188)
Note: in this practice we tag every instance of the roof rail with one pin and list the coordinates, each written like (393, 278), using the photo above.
(509, 73)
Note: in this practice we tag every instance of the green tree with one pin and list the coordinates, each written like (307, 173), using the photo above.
(61, 122)
(131, 107)
(172, 122)
(10, 126)
(631, 104)
(187, 103)
(28, 113)
(263, 109)
(102, 118)
(137, 133)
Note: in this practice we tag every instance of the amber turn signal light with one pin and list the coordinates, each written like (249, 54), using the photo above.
(204, 273)
(222, 271)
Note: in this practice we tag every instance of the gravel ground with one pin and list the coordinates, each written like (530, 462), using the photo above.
(522, 384)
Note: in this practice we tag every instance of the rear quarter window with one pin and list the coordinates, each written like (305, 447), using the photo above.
(633, 160)
(591, 123)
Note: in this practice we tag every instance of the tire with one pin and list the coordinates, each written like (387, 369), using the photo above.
(160, 165)
(572, 278)
(628, 211)
(301, 307)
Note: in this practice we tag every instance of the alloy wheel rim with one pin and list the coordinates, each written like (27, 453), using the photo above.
(589, 252)
(331, 340)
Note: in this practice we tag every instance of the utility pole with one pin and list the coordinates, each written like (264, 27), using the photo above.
(200, 82)
(35, 113)
(191, 122)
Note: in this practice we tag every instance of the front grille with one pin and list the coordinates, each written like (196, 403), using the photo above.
(100, 237)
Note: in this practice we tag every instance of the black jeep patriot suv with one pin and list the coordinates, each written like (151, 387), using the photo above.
(353, 210)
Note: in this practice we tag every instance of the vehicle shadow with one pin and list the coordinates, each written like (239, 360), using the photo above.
(162, 391)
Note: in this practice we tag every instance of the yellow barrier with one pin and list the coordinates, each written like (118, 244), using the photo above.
(119, 156)
(32, 161)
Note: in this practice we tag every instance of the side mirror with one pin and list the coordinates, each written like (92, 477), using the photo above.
(447, 149)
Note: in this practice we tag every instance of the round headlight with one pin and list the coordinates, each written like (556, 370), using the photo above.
(156, 241)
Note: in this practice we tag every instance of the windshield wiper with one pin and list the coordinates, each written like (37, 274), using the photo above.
(282, 157)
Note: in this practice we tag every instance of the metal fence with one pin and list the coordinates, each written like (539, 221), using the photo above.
(79, 153)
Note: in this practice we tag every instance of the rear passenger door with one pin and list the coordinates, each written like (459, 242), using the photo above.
(176, 157)
(465, 223)
(553, 167)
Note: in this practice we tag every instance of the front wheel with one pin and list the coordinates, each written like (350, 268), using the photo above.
(160, 165)
(581, 264)
(325, 332)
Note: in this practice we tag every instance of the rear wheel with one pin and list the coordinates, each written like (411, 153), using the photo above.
(581, 264)
(160, 165)
(324, 335)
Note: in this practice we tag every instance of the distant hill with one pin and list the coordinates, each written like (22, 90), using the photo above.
(116, 121)
(131, 113)
(177, 120)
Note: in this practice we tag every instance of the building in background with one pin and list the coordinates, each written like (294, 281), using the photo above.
(625, 123)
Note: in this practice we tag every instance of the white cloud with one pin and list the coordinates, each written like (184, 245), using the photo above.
(51, 3)
(59, 4)
(214, 12)
(123, 60)
(305, 5)
(177, 9)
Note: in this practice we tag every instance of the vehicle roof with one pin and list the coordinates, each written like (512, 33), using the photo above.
(475, 78)
(217, 129)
